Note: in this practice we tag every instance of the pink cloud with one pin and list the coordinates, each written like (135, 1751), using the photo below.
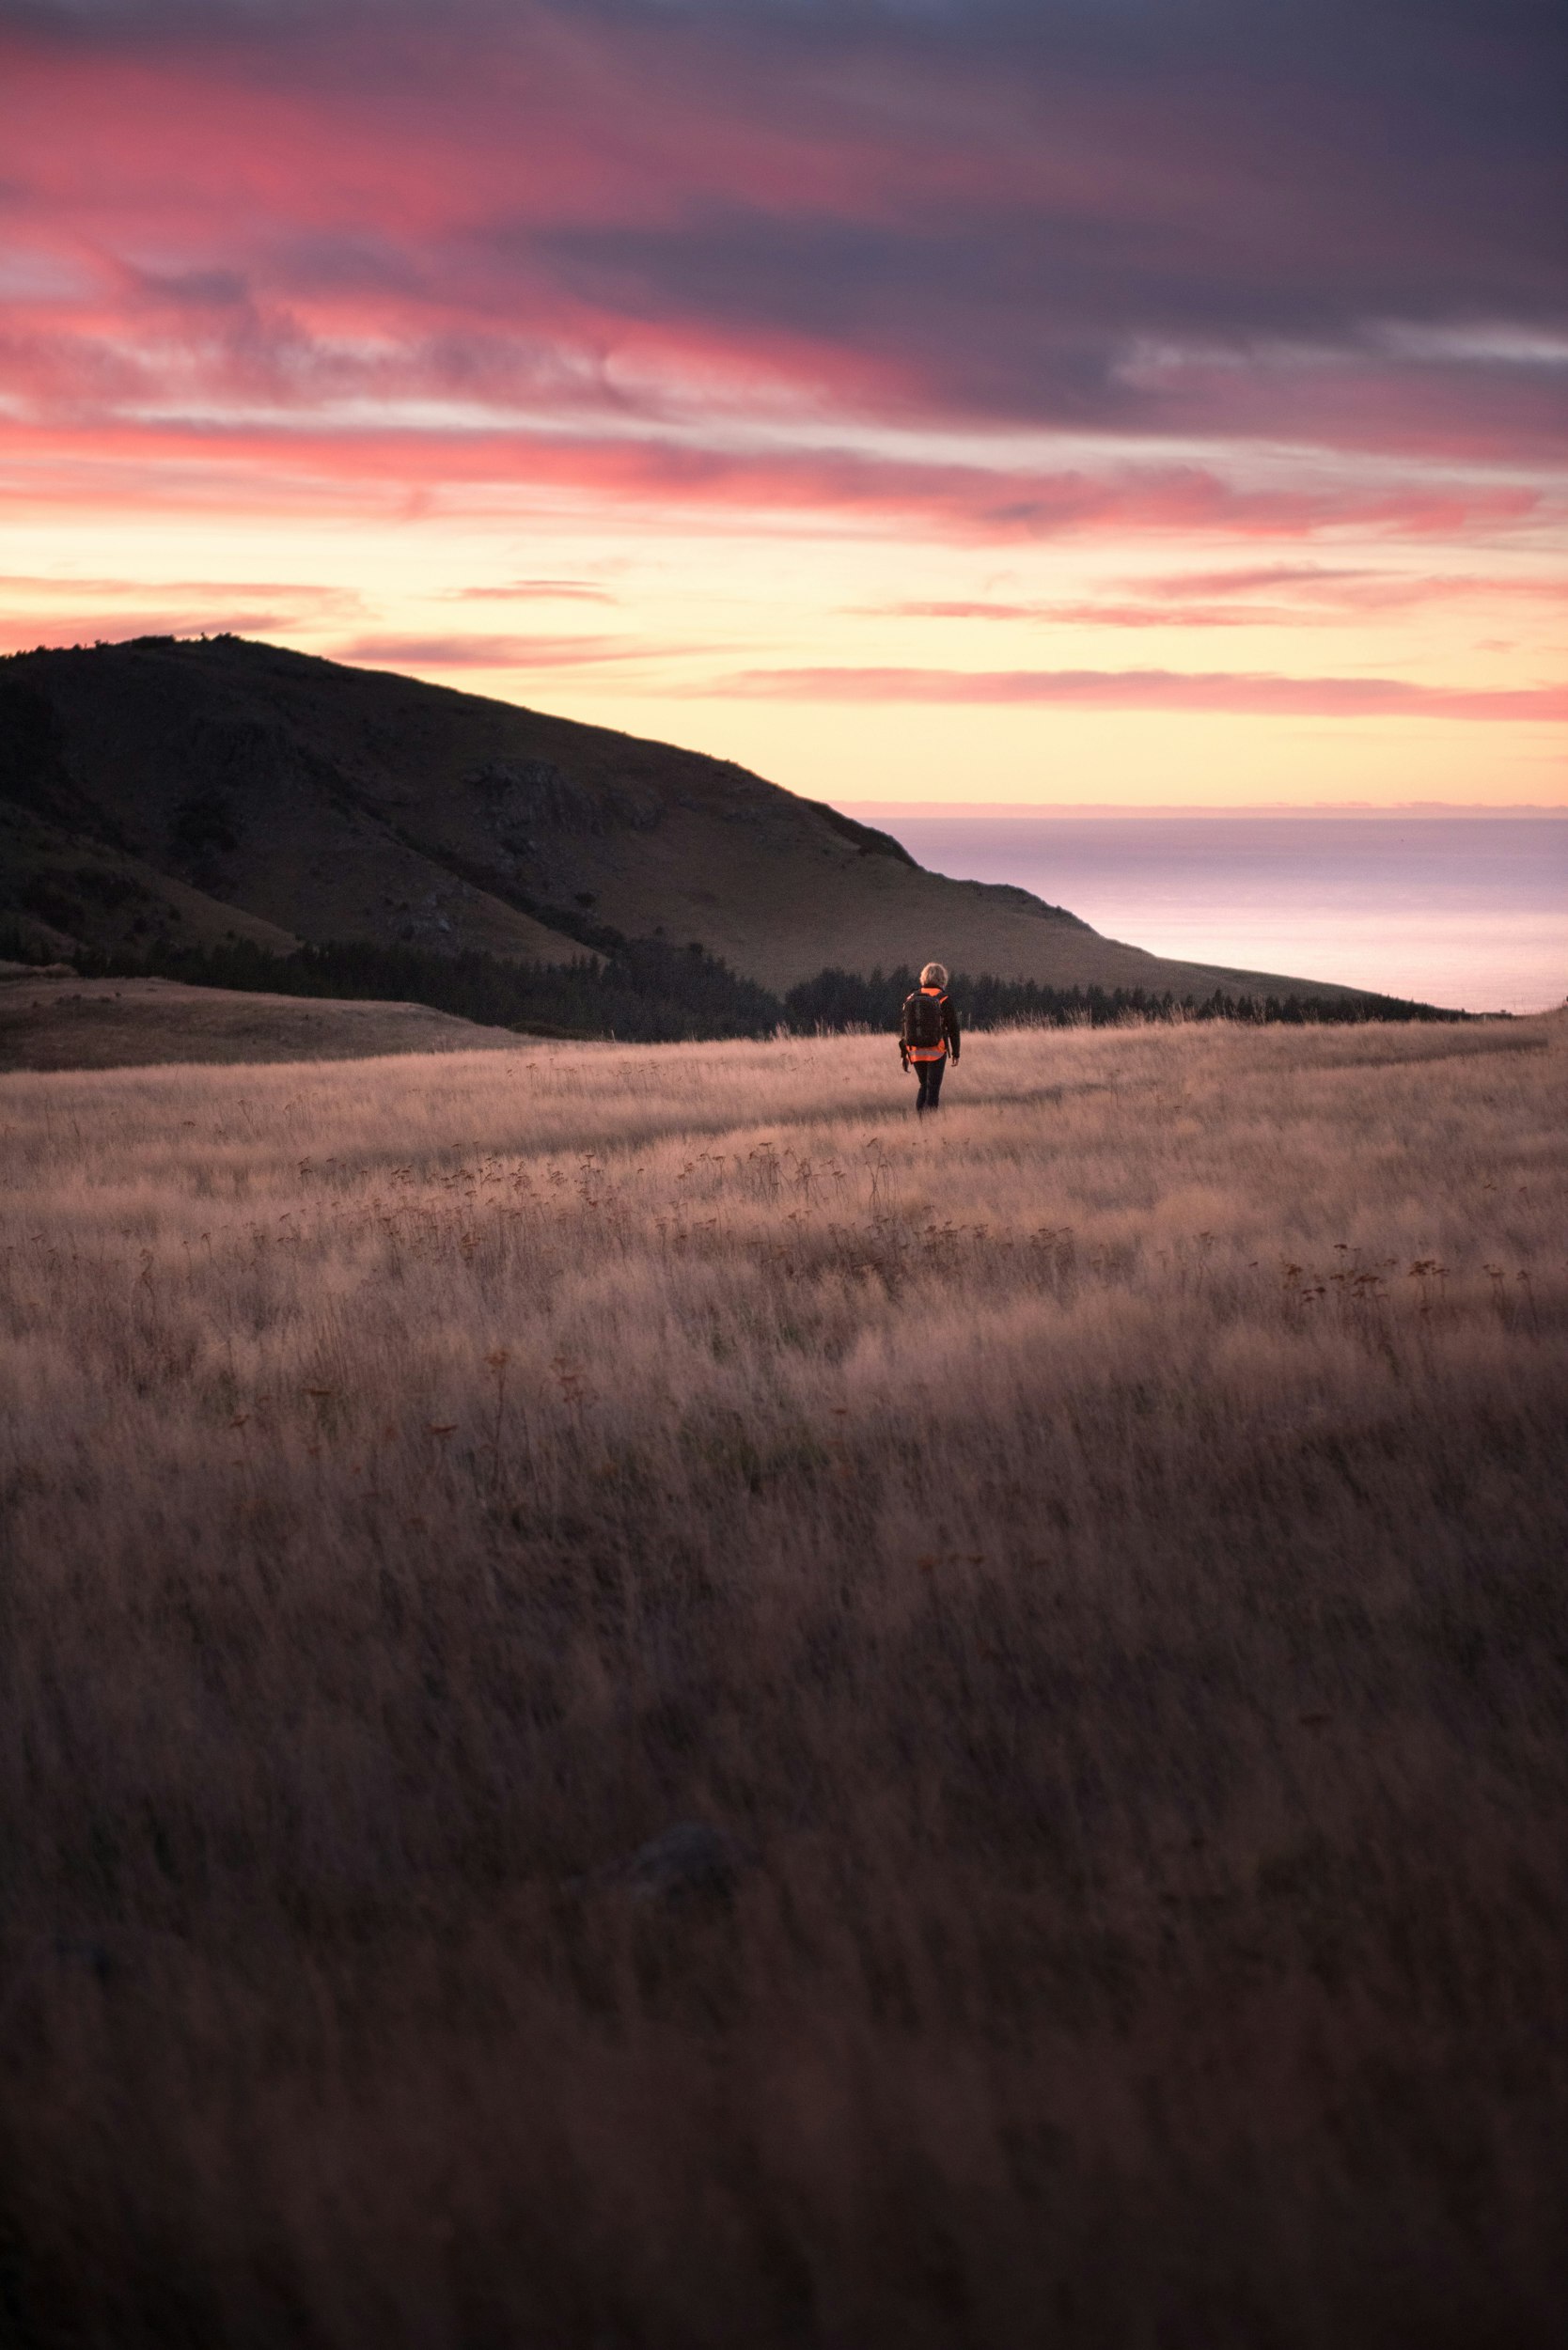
(180, 461)
(1235, 580)
(536, 591)
(502, 653)
(1091, 614)
(1351, 588)
(88, 611)
(297, 596)
(1237, 693)
(26, 633)
(1326, 596)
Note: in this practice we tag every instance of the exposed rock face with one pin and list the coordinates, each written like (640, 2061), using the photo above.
(527, 799)
(523, 795)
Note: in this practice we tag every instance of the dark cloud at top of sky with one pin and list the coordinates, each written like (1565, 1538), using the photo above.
(1413, 45)
(1085, 26)
(1486, 72)
(1338, 221)
(1125, 199)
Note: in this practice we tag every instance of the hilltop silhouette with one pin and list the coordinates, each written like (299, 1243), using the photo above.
(196, 792)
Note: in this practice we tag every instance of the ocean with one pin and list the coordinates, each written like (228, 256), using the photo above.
(1470, 912)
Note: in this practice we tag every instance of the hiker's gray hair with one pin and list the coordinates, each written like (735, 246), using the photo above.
(934, 974)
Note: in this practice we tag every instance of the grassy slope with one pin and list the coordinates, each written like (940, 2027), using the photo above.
(48, 1022)
(357, 808)
(1118, 1597)
(85, 885)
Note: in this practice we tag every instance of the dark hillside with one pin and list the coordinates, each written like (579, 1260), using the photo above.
(326, 803)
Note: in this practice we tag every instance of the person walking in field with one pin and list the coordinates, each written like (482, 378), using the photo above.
(928, 1033)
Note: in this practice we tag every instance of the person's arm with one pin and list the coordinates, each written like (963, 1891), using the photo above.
(903, 1033)
(949, 1022)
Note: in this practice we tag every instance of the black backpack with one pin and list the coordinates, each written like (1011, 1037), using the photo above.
(922, 1019)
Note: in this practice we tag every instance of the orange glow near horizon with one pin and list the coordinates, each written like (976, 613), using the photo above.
(626, 366)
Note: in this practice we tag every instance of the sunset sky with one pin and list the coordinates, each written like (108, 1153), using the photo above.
(1118, 401)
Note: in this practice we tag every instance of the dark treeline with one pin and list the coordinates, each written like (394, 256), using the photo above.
(647, 992)
(837, 1000)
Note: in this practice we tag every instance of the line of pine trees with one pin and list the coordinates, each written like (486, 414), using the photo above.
(837, 1000)
(647, 990)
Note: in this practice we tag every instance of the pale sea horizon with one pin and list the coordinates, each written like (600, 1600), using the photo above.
(1469, 911)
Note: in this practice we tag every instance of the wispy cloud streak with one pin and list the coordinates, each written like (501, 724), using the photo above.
(459, 652)
(1237, 694)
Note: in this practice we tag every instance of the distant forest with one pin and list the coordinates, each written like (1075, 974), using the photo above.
(647, 990)
(835, 1001)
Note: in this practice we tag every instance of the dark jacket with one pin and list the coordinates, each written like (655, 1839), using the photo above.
(949, 1028)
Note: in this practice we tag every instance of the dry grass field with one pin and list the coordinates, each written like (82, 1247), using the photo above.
(1100, 1555)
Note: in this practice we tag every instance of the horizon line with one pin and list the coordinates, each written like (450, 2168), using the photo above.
(891, 811)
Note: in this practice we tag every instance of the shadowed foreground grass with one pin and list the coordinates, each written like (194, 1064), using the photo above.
(1103, 1553)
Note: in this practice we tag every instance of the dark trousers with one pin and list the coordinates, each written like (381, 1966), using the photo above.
(929, 1074)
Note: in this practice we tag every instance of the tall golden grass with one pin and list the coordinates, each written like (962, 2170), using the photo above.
(1102, 1552)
